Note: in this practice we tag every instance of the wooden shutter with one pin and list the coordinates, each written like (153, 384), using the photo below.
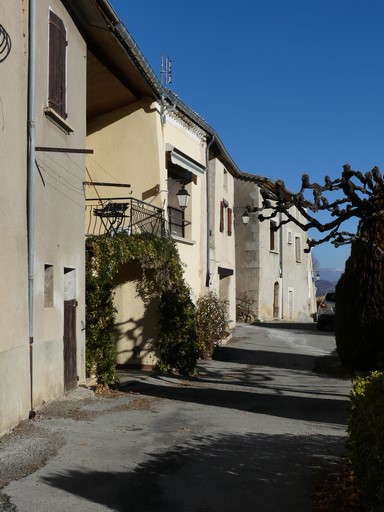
(221, 216)
(230, 216)
(57, 65)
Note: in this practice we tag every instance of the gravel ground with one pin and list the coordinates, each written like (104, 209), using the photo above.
(31, 444)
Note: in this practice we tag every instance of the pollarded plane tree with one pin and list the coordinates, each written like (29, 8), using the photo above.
(360, 291)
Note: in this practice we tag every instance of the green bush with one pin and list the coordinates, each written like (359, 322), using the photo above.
(176, 347)
(211, 323)
(366, 438)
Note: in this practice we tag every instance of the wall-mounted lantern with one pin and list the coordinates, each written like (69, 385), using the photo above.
(183, 197)
(245, 218)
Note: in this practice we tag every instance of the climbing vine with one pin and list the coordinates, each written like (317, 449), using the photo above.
(176, 345)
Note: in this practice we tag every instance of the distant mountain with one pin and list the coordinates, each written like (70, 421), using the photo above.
(330, 274)
(328, 279)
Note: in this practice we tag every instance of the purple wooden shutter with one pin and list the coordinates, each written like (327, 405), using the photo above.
(229, 221)
(221, 216)
(57, 64)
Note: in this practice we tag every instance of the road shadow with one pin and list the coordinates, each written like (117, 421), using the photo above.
(269, 358)
(230, 473)
(296, 326)
(277, 403)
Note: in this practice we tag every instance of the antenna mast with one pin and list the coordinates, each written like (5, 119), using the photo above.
(165, 71)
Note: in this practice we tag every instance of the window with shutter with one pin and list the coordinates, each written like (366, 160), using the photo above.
(57, 65)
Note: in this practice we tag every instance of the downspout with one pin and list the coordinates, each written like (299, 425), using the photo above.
(208, 276)
(31, 125)
(281, 266)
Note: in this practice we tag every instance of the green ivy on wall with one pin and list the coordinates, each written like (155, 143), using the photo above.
(176, 347)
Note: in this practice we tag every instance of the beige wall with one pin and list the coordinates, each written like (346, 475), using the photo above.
(247, 249)
(128, 148)
(59, 220)
(14, 355)
(222, 245)
(191, 249)
(136, 322)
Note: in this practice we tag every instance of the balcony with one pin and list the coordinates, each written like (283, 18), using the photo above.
(123, 215)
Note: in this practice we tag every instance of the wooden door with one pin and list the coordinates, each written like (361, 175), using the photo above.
(70, 352)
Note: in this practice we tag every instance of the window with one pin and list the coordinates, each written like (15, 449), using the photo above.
(57, 65)
(48, 286)
(298, 248)
(272, 236)
(176, 221)
(289, 236)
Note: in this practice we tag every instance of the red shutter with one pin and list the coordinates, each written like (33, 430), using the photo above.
(57, 65)
(230, 216)
(221, 216)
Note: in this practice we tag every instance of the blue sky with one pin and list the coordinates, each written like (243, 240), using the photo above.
(290, 86)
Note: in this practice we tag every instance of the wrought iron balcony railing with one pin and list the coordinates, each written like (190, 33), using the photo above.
(121, 214)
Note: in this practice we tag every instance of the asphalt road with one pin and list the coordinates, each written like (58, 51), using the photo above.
(253, 432)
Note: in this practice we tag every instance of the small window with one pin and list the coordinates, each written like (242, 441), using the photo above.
(57, 65)
(272, 236)
(48, 286)
(298, 248)
(289, 236)
(225, 179)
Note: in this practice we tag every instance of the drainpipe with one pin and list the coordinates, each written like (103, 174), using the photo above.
(31, 125)
(208, 276)
(281, 266)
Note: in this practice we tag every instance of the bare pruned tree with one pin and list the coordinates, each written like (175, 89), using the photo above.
(356, 195)
(359, 292)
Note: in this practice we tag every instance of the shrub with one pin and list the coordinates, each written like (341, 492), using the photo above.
(176, 347)
(211, 323)
(366, 438)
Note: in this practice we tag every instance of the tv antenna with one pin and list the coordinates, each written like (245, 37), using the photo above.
(165, 71)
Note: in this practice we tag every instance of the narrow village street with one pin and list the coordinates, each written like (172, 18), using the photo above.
(253, 432)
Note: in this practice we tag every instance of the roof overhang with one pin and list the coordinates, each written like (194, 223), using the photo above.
(115, 78)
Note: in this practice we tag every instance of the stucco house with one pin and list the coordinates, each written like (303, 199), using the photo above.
(274, 276)
(147, 146)
(42, 342)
